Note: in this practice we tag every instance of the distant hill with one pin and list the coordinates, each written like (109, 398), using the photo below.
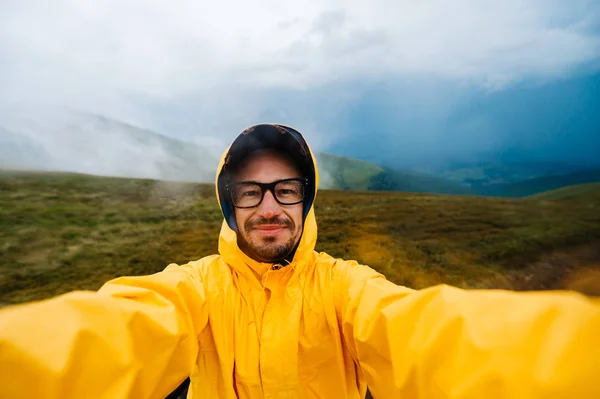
(392, 180)
(480, 174)
(68, 141)
(588, 193)
(538, 185)
(346, 173)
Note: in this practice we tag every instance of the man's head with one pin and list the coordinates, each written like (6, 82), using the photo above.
(266, 213)
(269, 221)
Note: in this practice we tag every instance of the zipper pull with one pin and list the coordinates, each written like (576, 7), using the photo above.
(276, 266)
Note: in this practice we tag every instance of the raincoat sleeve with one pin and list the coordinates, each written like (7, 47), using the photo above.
(134, 338)
(445, 342)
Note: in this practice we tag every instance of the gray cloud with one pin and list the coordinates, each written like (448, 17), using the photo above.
(204, 72)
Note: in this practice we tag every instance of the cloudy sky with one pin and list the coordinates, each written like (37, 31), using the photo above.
(428, 79)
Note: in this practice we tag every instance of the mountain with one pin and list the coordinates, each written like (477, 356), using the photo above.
(62, 140)
(580, 193)
(346, 173)
(17, 150)
(393, 180)
(479, 174)
(541, 184)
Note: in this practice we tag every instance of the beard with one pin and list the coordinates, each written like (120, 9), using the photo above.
(267, 249)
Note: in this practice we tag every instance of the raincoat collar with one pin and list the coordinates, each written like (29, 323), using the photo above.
(237, 259)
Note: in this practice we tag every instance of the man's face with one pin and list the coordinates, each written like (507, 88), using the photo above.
(269, 231)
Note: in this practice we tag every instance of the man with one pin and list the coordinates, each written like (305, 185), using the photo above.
(268, 317)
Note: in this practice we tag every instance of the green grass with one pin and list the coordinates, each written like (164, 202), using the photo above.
(587, 193)
(61, 232)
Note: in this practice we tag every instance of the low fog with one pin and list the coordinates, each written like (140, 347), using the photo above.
(58, 139)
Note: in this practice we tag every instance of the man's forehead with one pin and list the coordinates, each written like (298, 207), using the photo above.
(266, 163)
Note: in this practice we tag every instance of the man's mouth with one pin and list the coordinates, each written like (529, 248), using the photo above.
(269, 228)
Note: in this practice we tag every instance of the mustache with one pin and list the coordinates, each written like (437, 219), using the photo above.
(252, 223)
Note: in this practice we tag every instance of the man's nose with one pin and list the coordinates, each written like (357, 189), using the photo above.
(269, 207)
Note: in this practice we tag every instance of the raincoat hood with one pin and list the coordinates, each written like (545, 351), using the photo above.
(292, 143)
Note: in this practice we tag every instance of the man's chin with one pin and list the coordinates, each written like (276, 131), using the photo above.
(271, 255)
(272, 251)
(268, 248)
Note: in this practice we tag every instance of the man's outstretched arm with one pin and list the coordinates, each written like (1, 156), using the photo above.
(134, 338)
(444, 342)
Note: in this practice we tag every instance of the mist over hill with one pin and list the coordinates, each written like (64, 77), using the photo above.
(63, 140)
(58, 139)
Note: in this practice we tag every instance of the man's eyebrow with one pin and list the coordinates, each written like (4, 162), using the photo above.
(255, 181)
(272, 181)
(246, 181)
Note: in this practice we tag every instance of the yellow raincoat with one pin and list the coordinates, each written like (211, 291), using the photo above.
(318, 328)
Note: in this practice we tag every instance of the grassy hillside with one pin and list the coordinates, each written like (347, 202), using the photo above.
(61, 232)
(581, 193)
(392, 180)
(345, 173)
(541, 184)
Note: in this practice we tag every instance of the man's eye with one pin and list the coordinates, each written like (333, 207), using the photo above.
(250, 193)
(286, 191)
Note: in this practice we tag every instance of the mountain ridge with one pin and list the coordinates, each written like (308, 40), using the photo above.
(81, 142)
(94, 144)
(542, 184)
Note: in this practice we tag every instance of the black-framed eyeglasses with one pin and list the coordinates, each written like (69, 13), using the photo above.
(249, 194)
